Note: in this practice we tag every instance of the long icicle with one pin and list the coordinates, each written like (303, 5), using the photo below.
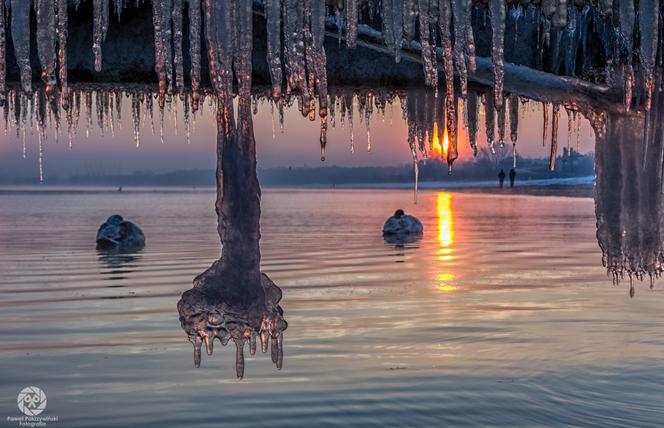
(20, 12)
(63, 27)
(497, 8)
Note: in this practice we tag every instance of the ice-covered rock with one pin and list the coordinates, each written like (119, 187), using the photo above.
(118, 234)
(402, 224)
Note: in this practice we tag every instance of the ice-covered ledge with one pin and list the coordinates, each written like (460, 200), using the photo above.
(128, 57)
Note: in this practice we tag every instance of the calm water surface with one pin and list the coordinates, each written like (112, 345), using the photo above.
(501, 315)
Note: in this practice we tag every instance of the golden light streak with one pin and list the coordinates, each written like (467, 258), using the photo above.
(445, 239)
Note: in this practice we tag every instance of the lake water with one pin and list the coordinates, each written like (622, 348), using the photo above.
(502, 315)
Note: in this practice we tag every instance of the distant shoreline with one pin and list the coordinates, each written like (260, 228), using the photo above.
(582, 190)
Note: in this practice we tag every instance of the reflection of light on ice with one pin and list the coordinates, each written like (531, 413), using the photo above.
(445, 239)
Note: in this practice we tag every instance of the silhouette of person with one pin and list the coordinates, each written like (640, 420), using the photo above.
(501, 178)
(512, 177)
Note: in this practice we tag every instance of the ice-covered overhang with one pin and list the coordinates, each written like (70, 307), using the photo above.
(552, 49)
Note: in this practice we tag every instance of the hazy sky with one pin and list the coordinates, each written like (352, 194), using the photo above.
(298, 145)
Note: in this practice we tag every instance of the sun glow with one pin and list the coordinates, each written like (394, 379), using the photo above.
(440, 150)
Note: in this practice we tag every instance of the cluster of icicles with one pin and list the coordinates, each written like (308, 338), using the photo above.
(296, 32)
(205, 322)
(428, 116)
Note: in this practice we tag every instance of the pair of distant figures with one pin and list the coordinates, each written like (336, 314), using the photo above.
(501, 177)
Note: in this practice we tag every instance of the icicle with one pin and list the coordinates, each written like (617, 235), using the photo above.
(545, 124)
(119, 5)
(195, 48)
(461, 8)
(178, 59)
(273, 12)
(497, 48)
(627, 31)
(3, 69)
(397, 27)
(472, 108)
(409, 18)
(570, 125)
(239, 358)
(648, 29)
(445, 27)
(218, 28)
(428, 56)
(489, 118)
(62, 31)
(45, 10)
(470, 39)
(501, 123)
(351, 22)
(161, 19)
(452, 134)
(514, 124)
(100, 28)
(198, 343)
(554, 138)
(560, 16)
(320, 61)
(20, 23)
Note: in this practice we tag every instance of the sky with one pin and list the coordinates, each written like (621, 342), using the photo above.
(297, 145)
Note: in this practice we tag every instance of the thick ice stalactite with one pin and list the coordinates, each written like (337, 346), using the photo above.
(195, 47)
(473, 111)
(626, 15)
(554, 137)
(649, 32)
(497, 8)
(461, 12)
(445, 27)
(20, 26)
(273, 14)
(233, 299)
(629, 200)
(3, 53)
(514, 124)
(46, 42)
(178, 56)
(63, 32)
(490, 120)
(428, 51)
(351, 22)
(163, 41)
(100, 28)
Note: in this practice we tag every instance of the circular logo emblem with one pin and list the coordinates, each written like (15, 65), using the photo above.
(31, 401)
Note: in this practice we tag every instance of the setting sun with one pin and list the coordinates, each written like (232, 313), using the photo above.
(440, 151)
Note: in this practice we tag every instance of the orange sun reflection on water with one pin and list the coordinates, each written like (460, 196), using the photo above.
(445, 239)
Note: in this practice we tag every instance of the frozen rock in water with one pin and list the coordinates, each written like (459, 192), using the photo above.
(402, 224)
(118, 234)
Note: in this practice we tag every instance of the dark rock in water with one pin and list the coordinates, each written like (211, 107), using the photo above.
(402, 224)
(118, 234)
